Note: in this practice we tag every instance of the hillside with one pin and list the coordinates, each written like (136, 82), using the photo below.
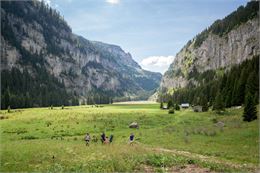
(43, 63)
(225, 44)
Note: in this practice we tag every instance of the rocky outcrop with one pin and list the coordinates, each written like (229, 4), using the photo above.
(34, 35)
(215, 52)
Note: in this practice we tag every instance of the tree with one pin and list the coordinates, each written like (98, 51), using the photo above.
(177, 107)
(161, 105)
(6, 98)
(169, 104)
(249, 109)
(9, 109)
(204, 104)
(218, 103)
(252, 86)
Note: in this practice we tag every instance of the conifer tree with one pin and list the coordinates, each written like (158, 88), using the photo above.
(177, 107)
(204, 104)
(249, 109)
(170, 104)
(218, 103)
(161, 105)
(252, 86)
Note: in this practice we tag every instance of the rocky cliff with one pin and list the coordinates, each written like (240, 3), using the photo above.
(34, 36)
(221, 46)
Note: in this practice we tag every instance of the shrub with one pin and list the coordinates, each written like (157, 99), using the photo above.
(29, 137)
(177, 107)
(214, 120)
(171, 111)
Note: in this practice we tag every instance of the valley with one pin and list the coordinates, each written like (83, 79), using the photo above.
(30, 138)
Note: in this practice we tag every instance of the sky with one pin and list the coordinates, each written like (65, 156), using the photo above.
(152, 31)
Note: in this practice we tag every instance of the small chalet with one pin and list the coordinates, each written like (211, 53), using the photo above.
(185, 105)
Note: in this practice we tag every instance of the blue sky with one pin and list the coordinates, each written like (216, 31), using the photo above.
(153, 31)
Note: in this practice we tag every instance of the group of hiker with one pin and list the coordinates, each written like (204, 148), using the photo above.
(105, 140)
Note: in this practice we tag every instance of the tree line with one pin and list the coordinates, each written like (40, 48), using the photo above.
(221, 88)
(236, 18)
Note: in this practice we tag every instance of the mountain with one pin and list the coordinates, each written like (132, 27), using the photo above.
(226, 43)
(43, 63)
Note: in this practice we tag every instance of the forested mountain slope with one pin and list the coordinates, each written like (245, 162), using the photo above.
(43, 63)
(214, 59)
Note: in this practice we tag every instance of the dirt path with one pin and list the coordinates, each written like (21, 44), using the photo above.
(177, 169)
(208, 159)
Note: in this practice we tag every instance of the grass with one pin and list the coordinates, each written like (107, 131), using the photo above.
(42, 139)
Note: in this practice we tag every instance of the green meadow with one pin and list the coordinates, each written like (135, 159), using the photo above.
(52, 140)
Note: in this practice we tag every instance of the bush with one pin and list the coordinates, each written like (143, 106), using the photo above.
(171, 111)
(29, 137)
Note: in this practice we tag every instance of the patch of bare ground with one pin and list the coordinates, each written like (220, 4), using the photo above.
(175, 169)
(189, 169)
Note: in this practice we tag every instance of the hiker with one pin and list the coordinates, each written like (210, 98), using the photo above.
(111, 138)
(103, 137)
(94, 139)
(131, 139)
(87, 139)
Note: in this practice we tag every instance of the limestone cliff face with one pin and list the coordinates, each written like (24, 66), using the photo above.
(215, 52)
(35, 36)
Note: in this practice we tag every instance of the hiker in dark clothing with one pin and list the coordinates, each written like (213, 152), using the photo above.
(131, 139)
(111, 138)
(87, 139)
(103, 137)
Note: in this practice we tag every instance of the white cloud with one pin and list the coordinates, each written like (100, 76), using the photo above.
(47, 2)
(157, 63)
(50, 3)
(113, 1)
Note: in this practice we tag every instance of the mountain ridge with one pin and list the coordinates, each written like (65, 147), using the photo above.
(224, 44)
(36, 39)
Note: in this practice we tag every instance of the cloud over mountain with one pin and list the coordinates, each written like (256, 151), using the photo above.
(157, 63)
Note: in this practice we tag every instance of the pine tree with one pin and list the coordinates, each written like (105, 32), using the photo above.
(204, 104)
(252, 85)
(161, 105)
(6, 98)
(170, 104)
(9, 109)
(250, 109)
(218, 103)
(177, 107)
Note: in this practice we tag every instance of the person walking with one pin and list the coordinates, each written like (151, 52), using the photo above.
(103, 138)
(87, 139)
(131, 138)
(111, 138)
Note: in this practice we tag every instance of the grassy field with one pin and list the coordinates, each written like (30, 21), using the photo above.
(43, 139)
